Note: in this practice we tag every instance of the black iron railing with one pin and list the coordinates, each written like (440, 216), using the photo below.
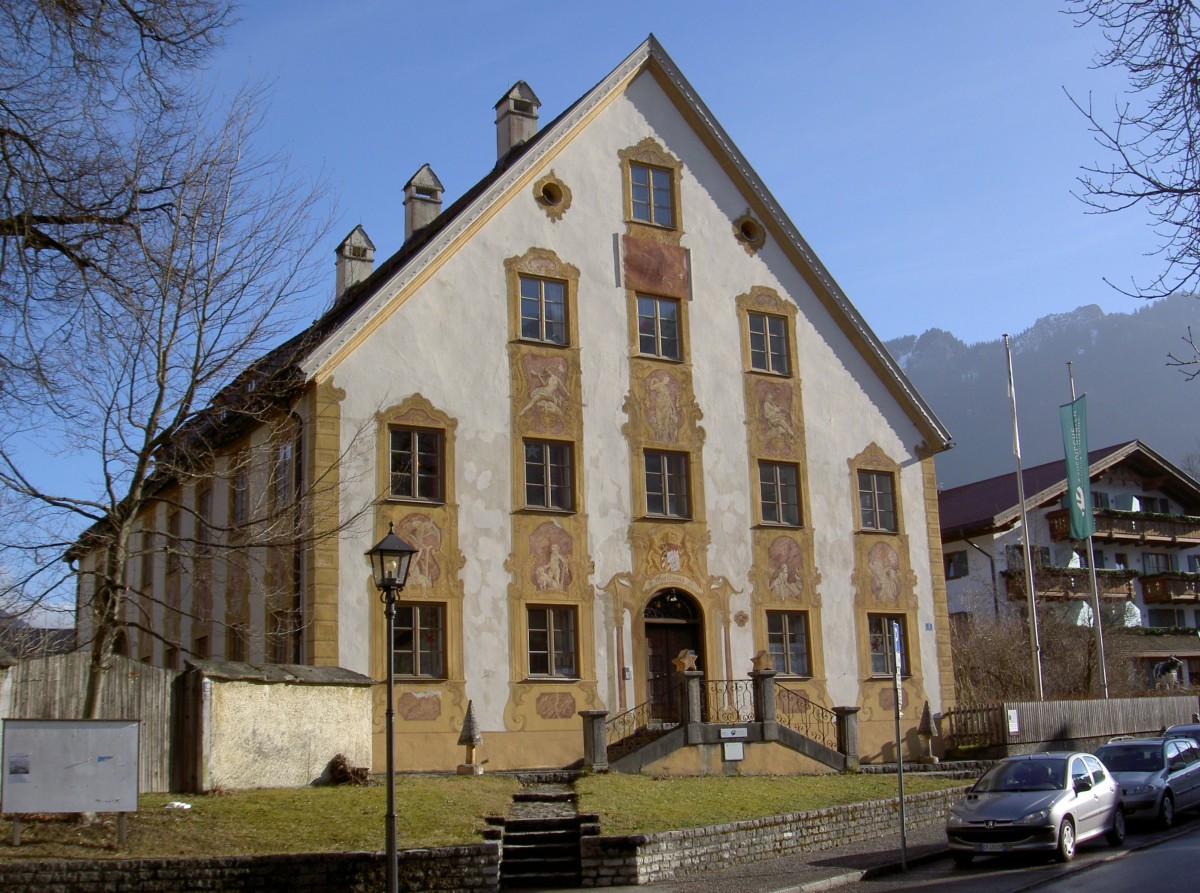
(805, 717)
(727, 700)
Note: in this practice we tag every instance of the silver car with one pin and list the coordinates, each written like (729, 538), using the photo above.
(1043, 802)
(1158, 776)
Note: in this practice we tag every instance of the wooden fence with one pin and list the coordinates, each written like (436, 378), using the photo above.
(53, 686)
(1026, 726)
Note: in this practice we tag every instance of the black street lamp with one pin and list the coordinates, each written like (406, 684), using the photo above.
(390, 559)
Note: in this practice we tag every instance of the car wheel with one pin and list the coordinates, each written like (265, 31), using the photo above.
(1116, 831)
(1066, 842)
(1166, 812)
(962, 860)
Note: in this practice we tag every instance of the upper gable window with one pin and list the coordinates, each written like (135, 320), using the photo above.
(543, 310)
(416, 467)
(877, 500)
(651, 198)
(768, 343)
(658, 327)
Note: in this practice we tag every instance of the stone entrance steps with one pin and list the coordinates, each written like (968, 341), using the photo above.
(539, 838)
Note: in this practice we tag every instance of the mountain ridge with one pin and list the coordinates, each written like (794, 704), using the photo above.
(1118, 359)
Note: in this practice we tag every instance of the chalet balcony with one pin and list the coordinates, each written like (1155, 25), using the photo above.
(1151, 528)
(1171, 588)
(1061, 583)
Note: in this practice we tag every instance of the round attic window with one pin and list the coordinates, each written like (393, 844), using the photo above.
(552, 195)
(750, 233)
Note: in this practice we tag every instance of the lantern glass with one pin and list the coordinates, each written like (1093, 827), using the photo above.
(390, 560)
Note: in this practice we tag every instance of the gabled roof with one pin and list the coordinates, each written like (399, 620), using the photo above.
(354, 313)
(992, 504)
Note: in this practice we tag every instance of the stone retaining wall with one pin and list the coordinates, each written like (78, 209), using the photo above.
(648, 858)
(462, 868)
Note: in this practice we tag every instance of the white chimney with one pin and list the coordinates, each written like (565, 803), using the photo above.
(422, 200)
(516, 117)
(355, 260)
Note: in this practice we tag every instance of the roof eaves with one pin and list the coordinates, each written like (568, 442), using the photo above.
(371, 297)
(853, 318)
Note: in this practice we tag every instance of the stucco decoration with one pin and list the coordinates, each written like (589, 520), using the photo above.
(546, 566)
(662, 405)
(785, 562)
(661, 408)
(884, 567)
(552, 195)
(546, 400)
(883, 582)
(655, 268)
(422, 532)
(556, 705)
(776, 425)
(668, 559)
(322, 560)
(430, 704)
(740, 619)
(783, 575)
(651, 152)
(414, 706)
(550, 552)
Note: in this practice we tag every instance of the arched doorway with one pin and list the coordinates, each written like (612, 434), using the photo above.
(673, 623)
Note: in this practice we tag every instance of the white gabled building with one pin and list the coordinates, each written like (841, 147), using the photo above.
(623, 411)
(1146, 548)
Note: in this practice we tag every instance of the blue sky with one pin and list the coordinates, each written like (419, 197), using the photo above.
(926, 150)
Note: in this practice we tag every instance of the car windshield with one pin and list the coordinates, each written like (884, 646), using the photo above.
(1130, 758)
(1023, 775)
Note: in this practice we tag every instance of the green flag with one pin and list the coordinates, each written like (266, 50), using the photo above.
(1079, 487)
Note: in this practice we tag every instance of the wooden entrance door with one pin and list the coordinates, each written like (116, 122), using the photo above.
(672, 624)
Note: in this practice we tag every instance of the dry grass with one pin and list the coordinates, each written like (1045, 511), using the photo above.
(431, 811)
(639, 804)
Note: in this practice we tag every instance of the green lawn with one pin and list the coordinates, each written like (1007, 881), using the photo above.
(431, 811)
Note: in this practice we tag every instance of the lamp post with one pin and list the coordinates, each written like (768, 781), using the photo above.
(390, 559)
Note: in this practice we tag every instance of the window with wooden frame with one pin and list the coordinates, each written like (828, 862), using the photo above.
(667, 485)
(283, 476)
(551, 639)
(549, 475)
(239, 493)
(204, 517)
(956, 564)
(174, 561)
(419, 643)
(779, 493)
(416, 464)
(787, 642)
(544, 310)
(658, 327)
(768, 343)
(882, 646)
(652, 195)
(877, 500)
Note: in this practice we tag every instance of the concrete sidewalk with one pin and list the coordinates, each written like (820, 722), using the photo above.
(810, 872)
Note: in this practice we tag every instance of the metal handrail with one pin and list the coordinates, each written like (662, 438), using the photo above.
(805, 717)
(727, 700)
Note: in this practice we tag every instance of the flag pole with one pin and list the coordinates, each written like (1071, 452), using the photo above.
(1035, 647)
(1091, 556)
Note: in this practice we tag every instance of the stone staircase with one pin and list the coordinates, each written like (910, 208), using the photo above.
(539, 837)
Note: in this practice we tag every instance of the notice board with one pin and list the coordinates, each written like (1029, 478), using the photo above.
(70, 765)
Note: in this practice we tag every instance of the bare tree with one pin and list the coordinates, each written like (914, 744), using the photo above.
(163, 359)
(992, 663)
(94, 96)
(1152, 135)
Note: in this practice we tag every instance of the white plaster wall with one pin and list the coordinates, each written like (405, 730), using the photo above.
(448, 343)
(280, 736)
